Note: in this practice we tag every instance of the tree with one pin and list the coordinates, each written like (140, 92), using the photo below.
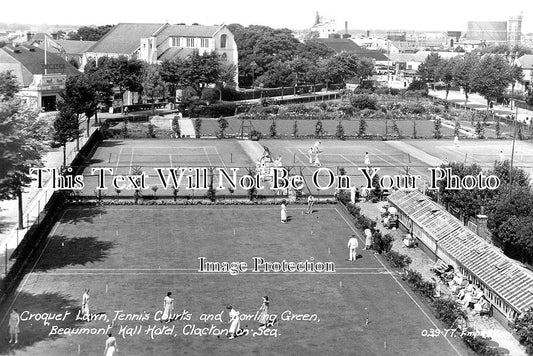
(222, 125)
(339, 132)
(197, 126)
(491, 77)
(480, 130)
(319, 129)
(81, 97)
(176, 127)
(87, 33)
(461, 73)
(517, 76)
(66, 128)
(280, 74)
(123, 73)
(437, 126)
(295, 128)
(468, 202)
(21, 143)
(100, 81)
(341, 67)
(152, 83)
(445, 73)
(273, 131)
(198, 70)
(457, 128)
(9, 86)
(428, 71)
(226, 77)
(260, 48)
(362, 127)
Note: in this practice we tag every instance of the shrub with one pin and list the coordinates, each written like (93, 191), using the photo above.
(523, 326)
(437, 126)
(213, 110)
(479, 346)
(222, 125)
(210, 95)
(151, 131)
(256, 133)
(176, 126)
(197, 126)
(339, 133)
(448, 311)
(480, 130)
(362, 127)
(124, 130)
(396, 129)
(364, 101)
(418, 85)
(398, 260)
(319, 129)
(457, 128)
(273, 131)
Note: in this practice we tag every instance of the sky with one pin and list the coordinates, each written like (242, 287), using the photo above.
(426, 15)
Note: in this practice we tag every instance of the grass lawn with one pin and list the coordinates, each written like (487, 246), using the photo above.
(131, 257)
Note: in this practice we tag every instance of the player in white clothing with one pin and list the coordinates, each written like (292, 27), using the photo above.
(235, 322)
(168, 307)
(352, 246)
(85, 305)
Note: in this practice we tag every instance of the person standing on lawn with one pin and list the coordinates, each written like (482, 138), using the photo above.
(14, 321)
(352, 247)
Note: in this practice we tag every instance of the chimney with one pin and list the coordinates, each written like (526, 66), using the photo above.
(367, 33)
(482, 230)
(346, 27)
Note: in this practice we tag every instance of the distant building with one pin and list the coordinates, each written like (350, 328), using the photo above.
(156, 42)
(69, 50)
(40, 83)
(514, 35)
(323, 26)
(487, 31)
(495, 32)
(347, 45)
(526, 62)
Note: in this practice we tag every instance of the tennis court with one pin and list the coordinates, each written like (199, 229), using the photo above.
(131, 257)
(124, 157)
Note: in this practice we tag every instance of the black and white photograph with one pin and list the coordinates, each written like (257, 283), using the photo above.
(266, 178)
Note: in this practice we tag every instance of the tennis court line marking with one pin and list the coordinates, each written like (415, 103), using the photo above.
(424, 174)
(395, 280)
(207, 155)
(349, 161)
(131, 159)
(172, 148)
(220, 157)
(21, 287)
(118, 159)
